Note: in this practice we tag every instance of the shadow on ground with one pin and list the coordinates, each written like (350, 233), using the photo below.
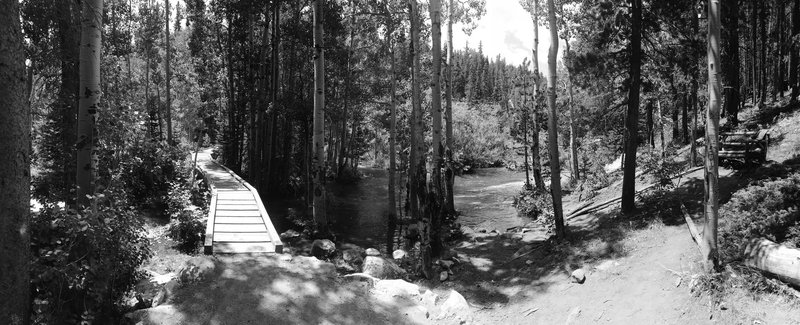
(279, 290)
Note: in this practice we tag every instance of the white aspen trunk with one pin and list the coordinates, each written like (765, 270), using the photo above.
(712, 138)
(552, 132)
(169, 76)
(318, 141)
(537, 164)
(436, 188)
(88, 103)
(448, 116)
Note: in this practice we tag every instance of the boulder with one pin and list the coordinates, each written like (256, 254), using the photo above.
(343, 266)
(353, 257)
(323, 248)
(455, 306)
(399, 254)
(578, 276)
(373, 252)
(382, 268)
(165, 294)
(443, 276)
(290, 236)
(196, 269)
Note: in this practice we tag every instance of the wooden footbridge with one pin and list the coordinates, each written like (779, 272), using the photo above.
(237, 220)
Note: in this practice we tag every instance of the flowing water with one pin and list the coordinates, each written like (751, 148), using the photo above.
(359, 212)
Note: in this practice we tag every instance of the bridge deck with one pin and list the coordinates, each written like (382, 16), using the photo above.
(237, 219)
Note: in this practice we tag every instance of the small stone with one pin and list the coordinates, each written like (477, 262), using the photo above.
(323, 248)
(290, 235)
(443, 276)
(353, 257)
(196, 269)
(373, 252)
(578, 276)
(399, 254)
(381, 268)
(446, 263)
(165, 293)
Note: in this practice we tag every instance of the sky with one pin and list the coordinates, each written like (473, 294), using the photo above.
(506, 29)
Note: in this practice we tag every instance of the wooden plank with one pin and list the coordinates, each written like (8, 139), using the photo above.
(208, 247)
(227, 237)
(238, 213)
(235, 195)
(238, 220)
(239, 207)
(237, 202)
(232, 248)
(227, 227)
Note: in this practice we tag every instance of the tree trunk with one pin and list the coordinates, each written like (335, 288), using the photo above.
(685, 118)
(794, 58)
(675, 112)
(712, 138)
(781, 13)
(89, 101)
(449, 205)
(573, 138)
(69, 40)
(632, 116)
(754, 52)
(318, 160)
(416, 173)
(537, 165)
(649, 124)
(730, 59)
(15, 144)
(347, 77)
(661, 128)
(168, 75)
(763, 71)
(392, 132)
(552, 132)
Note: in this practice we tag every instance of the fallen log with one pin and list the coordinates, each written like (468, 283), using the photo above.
(777, 260)
(696, 235)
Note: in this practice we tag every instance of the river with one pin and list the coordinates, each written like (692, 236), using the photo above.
(359, 212)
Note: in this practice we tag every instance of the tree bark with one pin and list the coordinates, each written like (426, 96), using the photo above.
(416, 174)
(15, 144)
(168, 75)
(711, 181)
(794, 58)
(392, 131)
(89, 100)
(573, 138)
(754, 53)
(537, 165)
(318, 159)
(763, 71)
(552, 132)
(632, 116)
(435, 8)
(730, 59)
(449, 206)
(69, 40)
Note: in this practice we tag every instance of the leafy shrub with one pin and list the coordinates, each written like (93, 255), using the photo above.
(768, 209)
(147, 175)
(83, 262)
(187, 223)
(536, 205)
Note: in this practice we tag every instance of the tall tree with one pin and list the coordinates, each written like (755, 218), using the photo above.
(436, 188)
(168, 74)
(794, 56)
(14, 171)
(632, 116)
(88, 103)
(449, 204)
(730, 58)
(318, 160)
(416, 173)
(552, 134)
(711, 180)
(532, 6)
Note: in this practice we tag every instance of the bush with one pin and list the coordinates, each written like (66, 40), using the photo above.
(149, 171)
(83, 262)
(187, 224)
(768, 209)
(536, 205)
(662, 169)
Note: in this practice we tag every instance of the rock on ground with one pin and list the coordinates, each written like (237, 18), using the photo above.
(196, 269)
(373, 252)
(399, 254)
(323, 248)
(382, 268)
(578, 276)
(455, 306)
